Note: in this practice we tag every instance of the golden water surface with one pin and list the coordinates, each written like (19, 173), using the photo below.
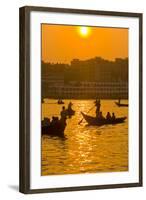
(85, 149)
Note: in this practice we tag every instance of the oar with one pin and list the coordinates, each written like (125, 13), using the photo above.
(87, 112)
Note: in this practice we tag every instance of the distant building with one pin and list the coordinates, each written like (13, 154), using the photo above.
(89, 90)
(94, 78)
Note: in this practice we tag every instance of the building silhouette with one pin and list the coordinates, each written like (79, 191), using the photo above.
(86, 79)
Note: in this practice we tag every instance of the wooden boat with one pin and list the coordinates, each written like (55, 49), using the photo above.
(54, 130)
(94, 121)
(121, 104)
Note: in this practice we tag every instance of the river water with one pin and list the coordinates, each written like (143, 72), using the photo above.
(85, 149)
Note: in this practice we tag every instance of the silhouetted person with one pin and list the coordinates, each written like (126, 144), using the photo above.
(53, 121)
(113, 116)
(108, 116)
(56, 122)
(63, 113)
(46, 121)
(100, 116)
(97, 104)
(70, 105)
(56, 119)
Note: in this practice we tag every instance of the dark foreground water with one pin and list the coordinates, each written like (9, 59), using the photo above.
(85, 149)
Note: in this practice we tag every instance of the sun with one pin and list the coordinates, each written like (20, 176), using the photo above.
(84, 31)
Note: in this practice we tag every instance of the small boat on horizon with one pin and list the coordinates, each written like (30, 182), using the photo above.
(121, 104)
(60, 101)
(96, 122)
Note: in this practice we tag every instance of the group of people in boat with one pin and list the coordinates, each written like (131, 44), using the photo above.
(55, 121)
(99, 114)
(52, 122)
(53, 127)
(67, 112)
(56, 125)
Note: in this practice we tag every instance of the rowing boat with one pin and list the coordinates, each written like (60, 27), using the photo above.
(96, 122)
(54, 130)
(60, 102)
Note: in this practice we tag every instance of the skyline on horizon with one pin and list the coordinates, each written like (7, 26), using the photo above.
(69, 63)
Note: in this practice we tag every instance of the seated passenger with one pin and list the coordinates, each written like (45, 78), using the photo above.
(100, 116)
(108, 116)
(53, 122)
(56, 119)
(46, 121)
(56, 122)
(113, 116)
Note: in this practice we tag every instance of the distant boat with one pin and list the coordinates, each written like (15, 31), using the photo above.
(60, 101)
(121, 104)
(95, 122)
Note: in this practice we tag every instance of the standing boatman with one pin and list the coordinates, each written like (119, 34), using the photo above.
(70, 106)
(63, 113)
(97, 104)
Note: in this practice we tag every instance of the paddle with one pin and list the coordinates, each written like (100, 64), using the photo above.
(87, 112)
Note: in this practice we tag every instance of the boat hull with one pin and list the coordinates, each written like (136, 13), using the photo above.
(95, 122)
(60, 102)
(56, 130)
(121, 104)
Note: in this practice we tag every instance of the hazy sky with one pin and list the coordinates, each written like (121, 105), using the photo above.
(62, 43)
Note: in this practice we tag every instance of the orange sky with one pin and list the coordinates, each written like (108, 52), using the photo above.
(62, 43)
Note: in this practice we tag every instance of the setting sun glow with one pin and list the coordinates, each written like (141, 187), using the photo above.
(84, 31)
(63, 43)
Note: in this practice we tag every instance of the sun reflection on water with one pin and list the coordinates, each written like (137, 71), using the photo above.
(85, 149)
